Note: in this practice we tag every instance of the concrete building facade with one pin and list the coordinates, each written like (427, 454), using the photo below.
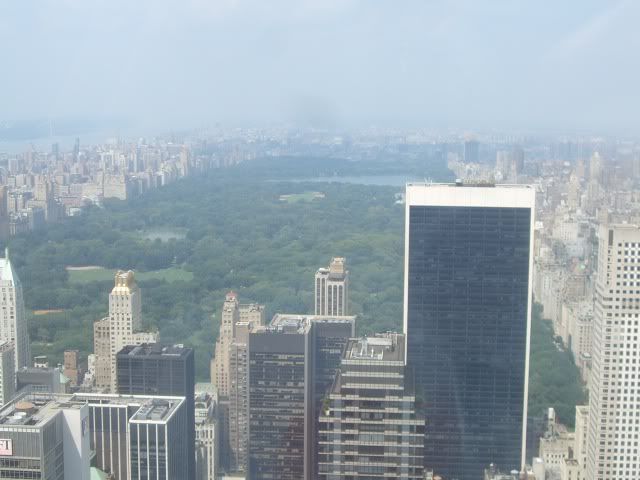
(368, 424)
(13, 319)
(332, 289)
(614, 386)
(43, 438)
(7, 372)
(207, 436)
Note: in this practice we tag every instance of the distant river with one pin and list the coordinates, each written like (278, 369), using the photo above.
(385, 180)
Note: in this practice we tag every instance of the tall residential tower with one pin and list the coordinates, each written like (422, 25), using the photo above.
(332, 289)
(122, 327)
(229, 370)
(467, 316)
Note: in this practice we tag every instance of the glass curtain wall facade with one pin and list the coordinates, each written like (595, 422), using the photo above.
(279, 394)
(467, 320)
(156, 369)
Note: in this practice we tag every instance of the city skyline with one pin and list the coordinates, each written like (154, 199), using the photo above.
(319, 240)
(579, 185)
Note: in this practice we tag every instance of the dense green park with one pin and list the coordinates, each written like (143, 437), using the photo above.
(233, 229)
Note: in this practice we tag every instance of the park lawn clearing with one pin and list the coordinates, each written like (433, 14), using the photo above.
(301, 197)
(99, 274)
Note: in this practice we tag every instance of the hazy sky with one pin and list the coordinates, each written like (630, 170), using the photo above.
(570, 64)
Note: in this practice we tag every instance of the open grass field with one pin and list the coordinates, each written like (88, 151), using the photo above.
(39, 313)
(99, 274)
(301, 197)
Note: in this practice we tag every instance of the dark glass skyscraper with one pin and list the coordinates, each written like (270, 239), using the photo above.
(468, 259)
(155, 369)
(292, 364)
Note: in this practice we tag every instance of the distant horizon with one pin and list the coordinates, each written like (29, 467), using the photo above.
(521, 66)
(121, 127)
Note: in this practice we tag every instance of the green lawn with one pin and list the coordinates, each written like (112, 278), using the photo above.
(301, 197)
(172, 274)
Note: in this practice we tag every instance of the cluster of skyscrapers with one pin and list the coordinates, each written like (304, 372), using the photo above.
(302, 397)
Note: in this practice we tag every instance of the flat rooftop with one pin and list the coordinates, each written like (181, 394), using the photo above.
(462, 194)
(156, 410)
(155, 350)
(382, 347)
(299, 319)
(36, 409)
(33, 411)
(469, 184)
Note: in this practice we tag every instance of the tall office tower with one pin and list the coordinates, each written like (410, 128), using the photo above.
(237, 406)
(596, 168)
(329, 337)
(517, 158)
(76, 150)
(471, 151)
(614, 386)
(13, 320)
(159, 449)
(291, 360)
(332, 289)
(228, 369)
(467, 317)
(44, 438)
(372, 401)
(207, 436)
(122, 327)
(136, 437)
(279, 396)
(155, 369)
(7, 372)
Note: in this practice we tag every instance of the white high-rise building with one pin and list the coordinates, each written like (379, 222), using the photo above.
(122, 327)
(614, 387)
(332, 289)
(13, 320)
(7, 372)
(207, 433)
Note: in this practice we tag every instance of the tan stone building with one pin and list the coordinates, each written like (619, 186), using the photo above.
(229, 373)
(122, 327)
